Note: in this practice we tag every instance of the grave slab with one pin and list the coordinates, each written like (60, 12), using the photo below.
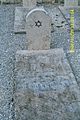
(46, 88)
(38, 29)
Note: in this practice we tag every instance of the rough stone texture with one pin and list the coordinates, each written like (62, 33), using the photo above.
(29, 3)
(20, 21)
(66, 13)
(45, 87)
(70, 3)
(9, 44)
(74, 60)
(38, 29)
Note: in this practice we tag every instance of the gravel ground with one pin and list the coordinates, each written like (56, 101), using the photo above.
(74, 60)
(9, 44)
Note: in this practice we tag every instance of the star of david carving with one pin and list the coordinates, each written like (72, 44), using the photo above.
(38, 23)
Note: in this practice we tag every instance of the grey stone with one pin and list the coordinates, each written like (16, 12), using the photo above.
(74, 60)
(20, 19)
(38, 29)
(46, 88)
(20, 15)
(29, 3)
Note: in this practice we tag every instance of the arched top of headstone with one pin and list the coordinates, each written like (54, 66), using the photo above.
(41, 9)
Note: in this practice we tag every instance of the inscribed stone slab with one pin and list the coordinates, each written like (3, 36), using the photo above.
(46, 88)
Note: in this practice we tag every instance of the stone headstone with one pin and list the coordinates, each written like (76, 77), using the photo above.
(38, 29)
(29, 3)
(71, 3)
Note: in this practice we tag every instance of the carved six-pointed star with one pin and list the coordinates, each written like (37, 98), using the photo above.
(38, 23)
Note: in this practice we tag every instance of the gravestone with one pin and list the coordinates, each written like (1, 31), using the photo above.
(70, 3)
(38, 29)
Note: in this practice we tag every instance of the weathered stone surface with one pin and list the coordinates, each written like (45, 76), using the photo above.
(45, 86)
(38, 29)
(29, 3)
(74, 59)
(20, 19)
(70, 3)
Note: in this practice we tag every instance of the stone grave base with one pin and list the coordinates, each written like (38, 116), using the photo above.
(45, 87)
(20, 19)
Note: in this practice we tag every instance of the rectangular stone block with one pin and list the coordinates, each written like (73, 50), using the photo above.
(45, 87)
